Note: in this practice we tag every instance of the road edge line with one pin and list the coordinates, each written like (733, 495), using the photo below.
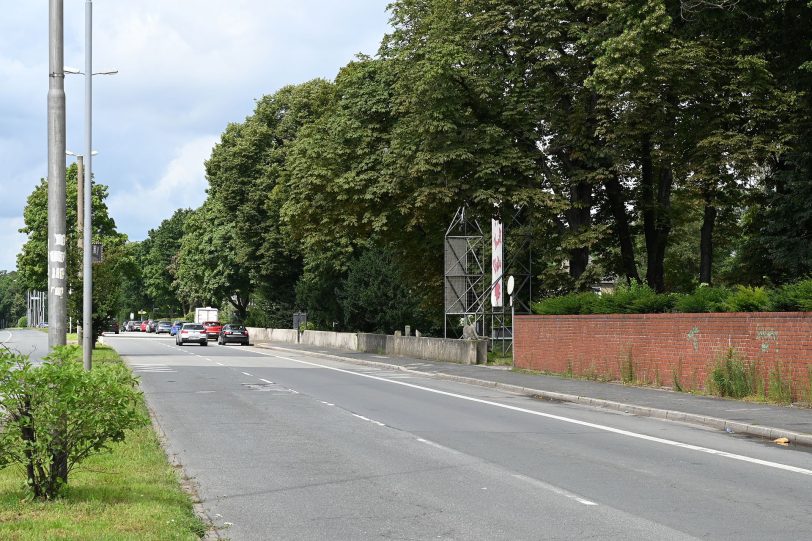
(796, 438)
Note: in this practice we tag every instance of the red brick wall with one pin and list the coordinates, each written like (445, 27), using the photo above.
(664, 346)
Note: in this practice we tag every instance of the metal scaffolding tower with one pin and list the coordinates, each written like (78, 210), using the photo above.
(464, 281)
(468, 292)
(37, 307)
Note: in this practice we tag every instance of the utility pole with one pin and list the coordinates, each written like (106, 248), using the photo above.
(87, 297)
(80, 220)
(57, 277)
(80, 202)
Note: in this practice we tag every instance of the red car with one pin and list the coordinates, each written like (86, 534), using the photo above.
(213, 328)
(144, 325)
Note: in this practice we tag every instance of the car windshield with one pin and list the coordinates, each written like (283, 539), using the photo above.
(193, 327)
(236, 327)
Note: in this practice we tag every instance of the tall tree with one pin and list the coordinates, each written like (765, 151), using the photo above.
(246, 174)
(160, 254)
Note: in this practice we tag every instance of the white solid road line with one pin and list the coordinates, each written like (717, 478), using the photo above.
(621, 432)
(554, 489)
(7, 339)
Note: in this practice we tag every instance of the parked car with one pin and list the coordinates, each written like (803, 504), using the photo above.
(213, 328)
(144, 325)
(176, 327)
(112, 326)
(152, 326)
(233, 333)
(192, 332)
(163, 327)
(134, 326)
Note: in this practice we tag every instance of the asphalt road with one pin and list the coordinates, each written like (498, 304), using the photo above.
(29, 342)
(290, 446)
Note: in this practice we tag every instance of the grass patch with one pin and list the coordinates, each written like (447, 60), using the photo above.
(130, 493)
(627, 369)
(780, 388)
(731, 376)
(499, 359)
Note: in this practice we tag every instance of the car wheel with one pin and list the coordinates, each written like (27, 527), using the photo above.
(204, 343)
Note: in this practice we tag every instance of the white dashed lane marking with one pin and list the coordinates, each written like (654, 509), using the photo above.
(152, 368)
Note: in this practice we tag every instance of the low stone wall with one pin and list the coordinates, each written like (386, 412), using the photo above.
(288, 336)
(328, 339)
(372, 343)
(438, 349)
(431, 349)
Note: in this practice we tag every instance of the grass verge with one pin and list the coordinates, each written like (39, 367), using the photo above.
(131, 492)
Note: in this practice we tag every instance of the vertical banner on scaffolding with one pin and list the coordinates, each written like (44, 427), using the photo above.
(496, 263)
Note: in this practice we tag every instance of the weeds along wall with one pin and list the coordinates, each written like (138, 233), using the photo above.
(670, 350)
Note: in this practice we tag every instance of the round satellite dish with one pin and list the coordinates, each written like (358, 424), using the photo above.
(510, 285)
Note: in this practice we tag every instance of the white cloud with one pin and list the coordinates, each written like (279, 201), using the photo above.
(186, 69)
(182, 185)
(10, 241)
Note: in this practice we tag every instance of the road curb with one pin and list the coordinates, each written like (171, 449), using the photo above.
(772, 433)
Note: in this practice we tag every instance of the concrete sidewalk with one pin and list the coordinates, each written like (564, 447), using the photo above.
(734, 416)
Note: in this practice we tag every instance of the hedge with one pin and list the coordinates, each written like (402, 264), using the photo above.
(641, 299)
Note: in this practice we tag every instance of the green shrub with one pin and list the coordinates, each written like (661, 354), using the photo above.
(55, 415)
(795, 297)
(574, 303)
(704, 299)
(731, 376)
(748, 299)
(23, 322)
(633, 299)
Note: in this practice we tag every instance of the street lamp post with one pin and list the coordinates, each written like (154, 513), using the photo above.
(87, 297)
(87, 237)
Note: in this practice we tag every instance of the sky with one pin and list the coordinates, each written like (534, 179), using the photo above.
(186, 69)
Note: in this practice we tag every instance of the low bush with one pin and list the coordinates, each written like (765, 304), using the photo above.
(795, 297)
(748, 299)
(573, 304)
(23, 322)
(704, 299)
(54, 416)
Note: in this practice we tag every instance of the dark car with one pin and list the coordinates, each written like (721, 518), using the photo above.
(233, 333)
(176, 327)
(112, 326)
(213, 328)
(191, 332)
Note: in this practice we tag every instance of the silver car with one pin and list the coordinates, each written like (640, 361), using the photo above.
(192, 332)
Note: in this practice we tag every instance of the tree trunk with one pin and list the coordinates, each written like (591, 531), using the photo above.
(241, 306)
(579, 217)
(706, 241)
(656, 205)
(648, 207)
(617, 204)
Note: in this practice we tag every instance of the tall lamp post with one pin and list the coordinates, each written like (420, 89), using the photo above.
(87, 240)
